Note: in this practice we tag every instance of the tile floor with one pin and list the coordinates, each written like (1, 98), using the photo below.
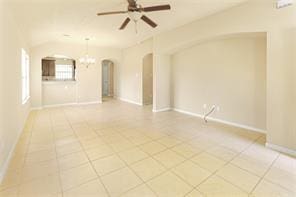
(118, 149)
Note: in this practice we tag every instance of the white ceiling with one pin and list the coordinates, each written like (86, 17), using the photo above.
(48, 20)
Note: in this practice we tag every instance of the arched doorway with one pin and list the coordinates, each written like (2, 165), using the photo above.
(148, 79)
(107, 79)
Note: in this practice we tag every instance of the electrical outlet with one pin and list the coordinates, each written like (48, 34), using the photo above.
(218, 108)
(205, 106)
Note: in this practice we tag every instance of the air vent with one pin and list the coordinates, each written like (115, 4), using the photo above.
(284, 3)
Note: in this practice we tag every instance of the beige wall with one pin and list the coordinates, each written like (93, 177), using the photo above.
(13, 112)
(58, 93)
(148, 79)
(130, 84)
(254, 16)
(88, 87)
(229, 73)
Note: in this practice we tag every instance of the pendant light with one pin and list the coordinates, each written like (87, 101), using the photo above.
(87, 60)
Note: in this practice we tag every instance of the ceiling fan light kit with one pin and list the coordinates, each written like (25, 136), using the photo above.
(135, 13)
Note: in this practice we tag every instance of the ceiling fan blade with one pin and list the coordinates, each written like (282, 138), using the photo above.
(156, 8)
(125, 23)
(110, 13)
(149, 21)
(132, 3)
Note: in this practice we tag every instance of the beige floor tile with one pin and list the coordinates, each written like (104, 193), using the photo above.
(169, 141)
(77, 176)
(152, 148)
(120, 181)
(286, 163)
(66, 140)
(68, 149)
(261, 153)
(99, 152)
(194, 193)
(38, 170)
(208, 162)
(222, 153)
(40, 156)
(139, 140)
(90, 189)
(122, 145)
(186, 150)
(41, 147)
(241, 178)
(169, 158)
(44, 186)
(72, 160)
(92, 143)
(282, 178)
(9, 192)
(215, 186)
(148, 169)
(133, 155)
(191, 173)
(141, 190)
(108, 164)
(265, 188)
(170, 185)
(251, 164)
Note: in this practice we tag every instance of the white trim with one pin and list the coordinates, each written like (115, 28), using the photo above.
(129, 101)
(281, 149)
(59, 105)
(161, 110)
(71, 104)
(91, 103)
(222, 121)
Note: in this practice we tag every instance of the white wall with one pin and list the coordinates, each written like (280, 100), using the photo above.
(147, 76)
(251, 17)
(130, 84)
(229, 73)
(13, 112)
(88, 85)
(254, 16)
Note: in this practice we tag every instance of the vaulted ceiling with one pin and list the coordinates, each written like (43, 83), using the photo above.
(44, 21)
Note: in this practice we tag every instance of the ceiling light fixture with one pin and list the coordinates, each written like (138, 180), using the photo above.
(135, 16)
(87, 60)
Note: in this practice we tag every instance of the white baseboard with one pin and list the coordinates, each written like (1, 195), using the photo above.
(71, 104)
(222, 121)
(129, 101)
(281, 149)
(90, 103)
(161, 110)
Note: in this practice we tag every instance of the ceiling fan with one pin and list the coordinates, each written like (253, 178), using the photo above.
(134, 8)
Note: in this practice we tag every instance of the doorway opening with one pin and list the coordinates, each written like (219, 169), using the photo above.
(148, 79)
(107, 80)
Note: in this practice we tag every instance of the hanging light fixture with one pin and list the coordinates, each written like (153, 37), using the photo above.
(87, 60)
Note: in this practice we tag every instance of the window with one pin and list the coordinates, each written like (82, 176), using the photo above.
(58, 69)
(25, 77)
(64, 72)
